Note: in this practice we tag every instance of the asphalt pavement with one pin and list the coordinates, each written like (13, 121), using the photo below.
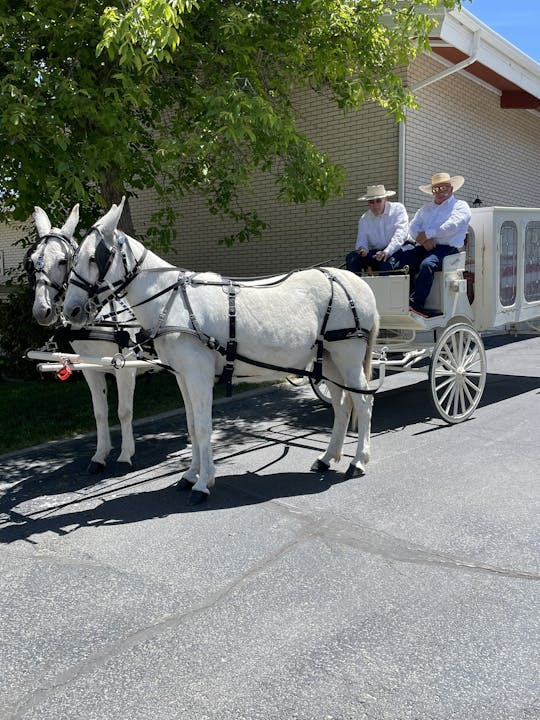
(409, 594)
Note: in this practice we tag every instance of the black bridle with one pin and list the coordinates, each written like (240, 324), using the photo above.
(104, 258)
(36, 272)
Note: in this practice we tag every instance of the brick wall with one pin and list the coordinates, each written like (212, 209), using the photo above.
(460, 128)
(10, 254)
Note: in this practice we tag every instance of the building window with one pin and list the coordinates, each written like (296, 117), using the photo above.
(532, 261)
(508, 263)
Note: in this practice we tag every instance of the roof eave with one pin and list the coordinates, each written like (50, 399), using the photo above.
(461, 30)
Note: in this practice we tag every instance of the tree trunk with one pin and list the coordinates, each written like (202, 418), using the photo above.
(112, 190)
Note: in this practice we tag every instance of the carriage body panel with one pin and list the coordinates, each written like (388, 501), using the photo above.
(505, 265)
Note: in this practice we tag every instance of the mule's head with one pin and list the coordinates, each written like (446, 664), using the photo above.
(99, 268)
(49, 263)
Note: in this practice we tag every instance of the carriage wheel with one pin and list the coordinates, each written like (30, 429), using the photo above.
(457, 373)
(321, 391)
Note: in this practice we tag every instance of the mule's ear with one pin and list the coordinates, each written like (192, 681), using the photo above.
(110, 220)
(41, 219)
(71, 223)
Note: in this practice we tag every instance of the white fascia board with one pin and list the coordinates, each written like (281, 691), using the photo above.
(458, 29)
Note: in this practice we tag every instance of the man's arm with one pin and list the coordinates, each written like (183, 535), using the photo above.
(362, 237)
(400, 231)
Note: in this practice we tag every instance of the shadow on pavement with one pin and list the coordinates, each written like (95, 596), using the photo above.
(282, 418)
(136, 505)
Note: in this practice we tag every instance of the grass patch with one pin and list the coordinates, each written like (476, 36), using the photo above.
(33, 412)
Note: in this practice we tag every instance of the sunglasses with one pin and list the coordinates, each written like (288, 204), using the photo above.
(440, 188)
(377, 200)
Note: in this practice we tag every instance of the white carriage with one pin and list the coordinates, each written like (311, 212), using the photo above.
(494, 285)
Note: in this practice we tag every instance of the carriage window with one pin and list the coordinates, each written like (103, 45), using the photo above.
(508, 263)
(532, 261)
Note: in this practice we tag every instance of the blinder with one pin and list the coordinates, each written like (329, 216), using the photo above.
(104, 257)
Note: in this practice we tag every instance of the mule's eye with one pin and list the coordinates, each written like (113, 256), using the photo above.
(39, 264)
(93, 259)
(62, 262)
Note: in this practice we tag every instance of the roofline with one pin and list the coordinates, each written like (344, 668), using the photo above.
(461, 29)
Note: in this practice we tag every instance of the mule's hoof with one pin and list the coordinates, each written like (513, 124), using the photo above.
(354, 472)
(94, 468)
(319, 466)
(121, 468)
(183, 484)
(197, 497)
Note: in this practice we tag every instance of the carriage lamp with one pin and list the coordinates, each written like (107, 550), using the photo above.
(476, 203)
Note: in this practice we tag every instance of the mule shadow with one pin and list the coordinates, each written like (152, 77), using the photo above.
(136, 505)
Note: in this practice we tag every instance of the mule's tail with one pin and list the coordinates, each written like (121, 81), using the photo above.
(370, 345)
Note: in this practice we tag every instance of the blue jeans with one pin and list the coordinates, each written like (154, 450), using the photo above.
(425, 263)
(356, 263)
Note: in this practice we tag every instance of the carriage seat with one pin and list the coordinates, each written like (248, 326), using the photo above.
(455, 262)
(445, 283)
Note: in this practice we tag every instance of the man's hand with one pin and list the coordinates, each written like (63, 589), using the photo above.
(361, 251)
(424, 241)
(381, 255)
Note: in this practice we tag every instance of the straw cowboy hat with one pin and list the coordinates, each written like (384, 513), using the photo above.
(374, 192)
(440, 179)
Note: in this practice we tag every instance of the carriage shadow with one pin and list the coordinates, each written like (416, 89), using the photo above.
(411, 404)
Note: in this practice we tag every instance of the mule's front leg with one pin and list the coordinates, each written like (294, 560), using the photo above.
(125, 382)
(201, 403)
(98, 388)
(191, 475)
(194, 365)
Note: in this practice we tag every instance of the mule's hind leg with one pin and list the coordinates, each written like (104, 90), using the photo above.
(363, 405)
(349, 358)
(97, 383)
(125, 383)
(342, 406)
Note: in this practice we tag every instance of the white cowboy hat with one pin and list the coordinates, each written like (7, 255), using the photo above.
(374, 192)
(440, 179)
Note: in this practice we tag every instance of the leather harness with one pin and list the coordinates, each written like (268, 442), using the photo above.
(185, 279)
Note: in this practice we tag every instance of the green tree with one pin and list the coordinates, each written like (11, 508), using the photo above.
(184, 95)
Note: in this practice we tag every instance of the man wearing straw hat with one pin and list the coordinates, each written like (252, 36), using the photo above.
(382, 230)
(439, 229)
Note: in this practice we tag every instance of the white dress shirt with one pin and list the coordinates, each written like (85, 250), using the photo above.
(387, 231)
(446, 223)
